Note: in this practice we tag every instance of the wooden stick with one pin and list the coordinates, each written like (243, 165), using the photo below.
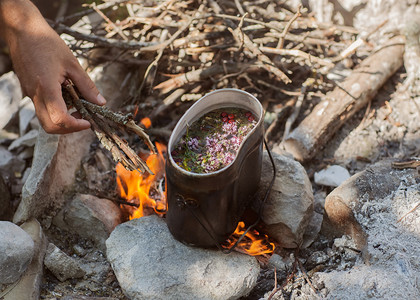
(198, 75)
(120, 150)
(413, 209)
(344, 101)
(263, 60)
(287, 27)
(124, 121)
(298, 53)
(112, 24)
(102, 41)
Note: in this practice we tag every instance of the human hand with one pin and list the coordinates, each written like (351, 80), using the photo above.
(42, 62)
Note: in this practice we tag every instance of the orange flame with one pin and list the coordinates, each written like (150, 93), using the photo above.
(253, 243)
(146, 122)
(136, 187)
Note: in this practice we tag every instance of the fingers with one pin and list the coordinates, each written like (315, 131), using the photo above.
(53, 114)
(86, 86)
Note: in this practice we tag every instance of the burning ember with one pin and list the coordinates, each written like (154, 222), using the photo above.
(147, 191)
(146, 122)
(253, 243)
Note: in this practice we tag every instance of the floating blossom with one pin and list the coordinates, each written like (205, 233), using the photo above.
(193, 144)
(230, 128)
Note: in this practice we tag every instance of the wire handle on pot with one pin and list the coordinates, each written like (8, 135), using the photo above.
(210, 230)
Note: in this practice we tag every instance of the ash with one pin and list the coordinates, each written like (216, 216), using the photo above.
(393, 270)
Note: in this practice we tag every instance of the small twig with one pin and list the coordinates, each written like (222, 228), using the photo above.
(119, 149)
(263, 60)
(117, 29)
(280, 119)
(280, 288)
(275, 278)
(298, 53)
(116, 200)
(122, 120)
(102, 41)
(280, 44)
(276, 88)
(365, 116)
(412, 210)
(198, 75)
(171, 39)
(239, 7)
(302, 269)
(412, 164)
(241, 44)
(357, 43)
(288, 279)
(249, 20)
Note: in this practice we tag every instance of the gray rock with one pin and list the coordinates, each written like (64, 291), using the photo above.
(29, 285)
(28, 140)
(56, 159)
(61, 265)
(313, 229)
(280, 263)
(289, 208)
(150, 264)
(331, 176)
(10, 95)
(26, 114)
(317, 258)
(92, 218)
(16, 252)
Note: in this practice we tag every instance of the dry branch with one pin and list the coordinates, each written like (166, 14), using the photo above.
(344, 101)
(100, 40)
(298, 53)
(198, 75)
(280, 44)
(264, 61)
(105, 124)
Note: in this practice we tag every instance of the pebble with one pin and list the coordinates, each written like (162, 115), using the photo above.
(332, 176)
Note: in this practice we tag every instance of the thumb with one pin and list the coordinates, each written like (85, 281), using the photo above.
(87, 87)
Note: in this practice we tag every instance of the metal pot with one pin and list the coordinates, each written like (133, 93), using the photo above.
(204, 209)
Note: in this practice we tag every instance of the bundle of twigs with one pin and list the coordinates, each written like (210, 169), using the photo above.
(106, 124)
(261, 46)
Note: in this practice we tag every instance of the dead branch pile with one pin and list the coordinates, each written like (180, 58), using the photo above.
(176, 51)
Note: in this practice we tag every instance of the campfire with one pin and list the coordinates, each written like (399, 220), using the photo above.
(339, 92)
(148, 194)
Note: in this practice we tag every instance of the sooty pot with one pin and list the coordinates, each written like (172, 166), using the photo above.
(204, 209)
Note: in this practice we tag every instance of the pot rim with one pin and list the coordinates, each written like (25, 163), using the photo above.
(196, 116)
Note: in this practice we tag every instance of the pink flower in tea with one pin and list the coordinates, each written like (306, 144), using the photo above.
(193, 144)
(235, 142)
(230, 128)
(228, 158)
